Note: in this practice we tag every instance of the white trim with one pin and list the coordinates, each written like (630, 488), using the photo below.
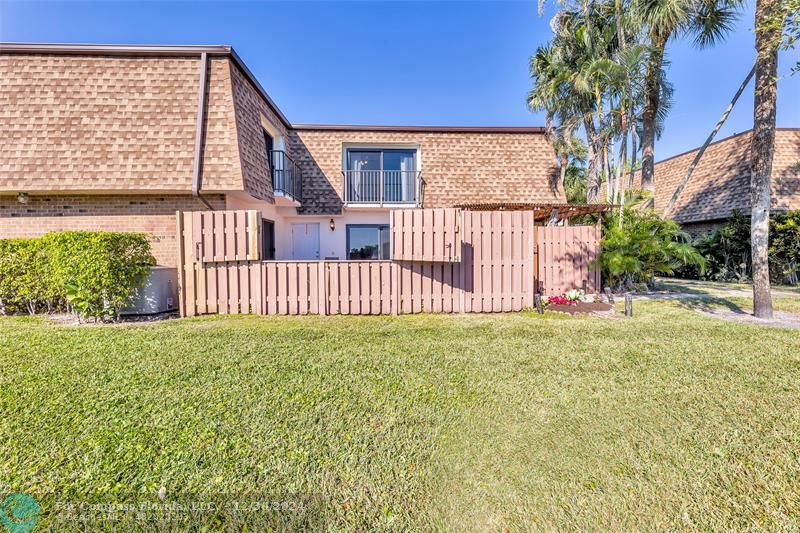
(278, 139)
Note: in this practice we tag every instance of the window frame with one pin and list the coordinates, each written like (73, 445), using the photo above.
(415, 147)
(380, 150)
(377, 226)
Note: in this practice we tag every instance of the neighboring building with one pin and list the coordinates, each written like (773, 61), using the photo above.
(721, 182)
(121, 137)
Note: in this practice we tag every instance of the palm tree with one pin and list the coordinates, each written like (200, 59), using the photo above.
(570, 149)
(582, 38)
(566, 107)
(591, 76)
(548, 95)
(769, 30)
(622, 76)
(707, 21)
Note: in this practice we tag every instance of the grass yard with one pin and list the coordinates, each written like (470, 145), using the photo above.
(669, 420)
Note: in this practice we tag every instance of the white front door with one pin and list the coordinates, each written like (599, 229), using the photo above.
(305, 241)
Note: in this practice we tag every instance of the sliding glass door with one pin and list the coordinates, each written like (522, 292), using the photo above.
(381, 176)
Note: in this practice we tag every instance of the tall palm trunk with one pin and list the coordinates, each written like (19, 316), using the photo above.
(593, 181)
(634, 150)
(623, 156)
(679, 189)
(652, 101)
(768, 36)
(608, 151)
(623, 161)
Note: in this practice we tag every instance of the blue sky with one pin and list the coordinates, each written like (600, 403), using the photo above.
(426, 63)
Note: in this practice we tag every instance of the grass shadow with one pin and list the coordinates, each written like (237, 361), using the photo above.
(662, 285)
(709, 303)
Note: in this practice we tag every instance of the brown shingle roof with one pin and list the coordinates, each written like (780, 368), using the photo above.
(458, 167)
(721, 182)
(90, 118)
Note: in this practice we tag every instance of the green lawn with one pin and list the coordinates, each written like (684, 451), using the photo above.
(669, 420)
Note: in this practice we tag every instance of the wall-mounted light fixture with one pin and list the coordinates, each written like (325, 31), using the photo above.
(22, 198)
(332, 225)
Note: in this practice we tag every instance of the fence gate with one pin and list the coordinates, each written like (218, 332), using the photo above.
(565, 259)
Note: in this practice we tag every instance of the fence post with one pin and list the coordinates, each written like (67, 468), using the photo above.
(322, 287)
(462, 270)
(394, 288)
(609, 295)
(535, 279)
(628, 304)
(181, 261)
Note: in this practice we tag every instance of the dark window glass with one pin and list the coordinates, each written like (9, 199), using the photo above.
(270, 144)
(268, 239)
(368, 241)
(268, 141)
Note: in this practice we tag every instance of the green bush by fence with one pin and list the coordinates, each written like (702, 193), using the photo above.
(643, 246)
(94, 273)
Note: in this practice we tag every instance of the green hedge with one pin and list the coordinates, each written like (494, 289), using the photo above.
(92, 273)
(727, 250)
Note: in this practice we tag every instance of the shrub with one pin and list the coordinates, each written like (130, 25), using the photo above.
(727, 250)
(97, 271)
(642, 246)
(784, 247)
(25, 281)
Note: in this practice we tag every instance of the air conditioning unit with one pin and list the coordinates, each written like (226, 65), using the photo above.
(159, 293)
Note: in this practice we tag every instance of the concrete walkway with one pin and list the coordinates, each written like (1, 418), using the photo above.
(671, 289)
(717, 306)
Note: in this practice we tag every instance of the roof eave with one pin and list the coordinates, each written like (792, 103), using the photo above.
(419, 129)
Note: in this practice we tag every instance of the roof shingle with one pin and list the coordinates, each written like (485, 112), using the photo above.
(721, 181)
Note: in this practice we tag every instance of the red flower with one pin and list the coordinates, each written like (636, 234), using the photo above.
(560, 300)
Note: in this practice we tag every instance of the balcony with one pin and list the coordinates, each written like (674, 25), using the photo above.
(383, 188)
(287, 179)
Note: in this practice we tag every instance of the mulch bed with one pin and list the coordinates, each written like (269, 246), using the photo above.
(582, 308)
(69, 319)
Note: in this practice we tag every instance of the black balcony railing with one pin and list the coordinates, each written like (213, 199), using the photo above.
(381, 187)
(287, 179)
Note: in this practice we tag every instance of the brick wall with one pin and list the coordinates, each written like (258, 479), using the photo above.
(154, 215)
(457, 167)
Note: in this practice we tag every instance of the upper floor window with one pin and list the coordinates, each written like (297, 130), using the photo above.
(270, 144)
(281, 168)
(378, 175)
(403, 160)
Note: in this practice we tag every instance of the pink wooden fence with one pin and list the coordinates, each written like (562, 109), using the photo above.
(565, 255)
(426, 234)
(498, 270)
(225, 235)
